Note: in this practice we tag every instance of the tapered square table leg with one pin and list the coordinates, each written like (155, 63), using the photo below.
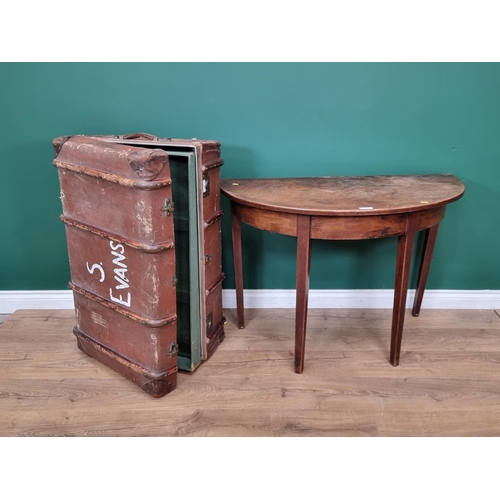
(425, 264)
(303, 267)
(238, 266)
(403, 264)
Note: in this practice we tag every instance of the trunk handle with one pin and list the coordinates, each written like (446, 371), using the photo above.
(140, 135)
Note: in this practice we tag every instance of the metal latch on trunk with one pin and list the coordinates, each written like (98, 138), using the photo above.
(210, 323)
(206, 184)
(169, 206)
(174, 349)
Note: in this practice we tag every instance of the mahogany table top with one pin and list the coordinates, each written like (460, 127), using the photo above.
(346, 196)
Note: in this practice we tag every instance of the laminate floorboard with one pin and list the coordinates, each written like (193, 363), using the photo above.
(447, 383)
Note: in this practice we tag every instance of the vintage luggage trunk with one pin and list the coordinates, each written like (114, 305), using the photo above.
(143, 228)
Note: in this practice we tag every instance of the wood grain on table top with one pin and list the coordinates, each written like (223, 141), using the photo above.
(364, 195)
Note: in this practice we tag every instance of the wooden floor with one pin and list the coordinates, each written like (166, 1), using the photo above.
(447, 384)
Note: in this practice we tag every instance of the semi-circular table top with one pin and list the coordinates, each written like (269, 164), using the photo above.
(346, 195)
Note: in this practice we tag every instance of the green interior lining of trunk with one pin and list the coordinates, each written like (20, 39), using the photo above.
(183, 173)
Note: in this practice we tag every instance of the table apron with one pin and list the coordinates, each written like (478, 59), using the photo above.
(340, 227)
(358, 227)
(268, 220)
(428, 218)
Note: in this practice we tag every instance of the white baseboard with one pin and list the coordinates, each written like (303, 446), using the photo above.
(10, 301)
(365, 299)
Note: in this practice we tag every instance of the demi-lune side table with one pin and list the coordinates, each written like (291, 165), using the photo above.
(343, 208)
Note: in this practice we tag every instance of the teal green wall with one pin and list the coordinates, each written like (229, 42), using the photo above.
(273, 120)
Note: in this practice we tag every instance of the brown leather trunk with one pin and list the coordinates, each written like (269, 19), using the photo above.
(143, 230)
